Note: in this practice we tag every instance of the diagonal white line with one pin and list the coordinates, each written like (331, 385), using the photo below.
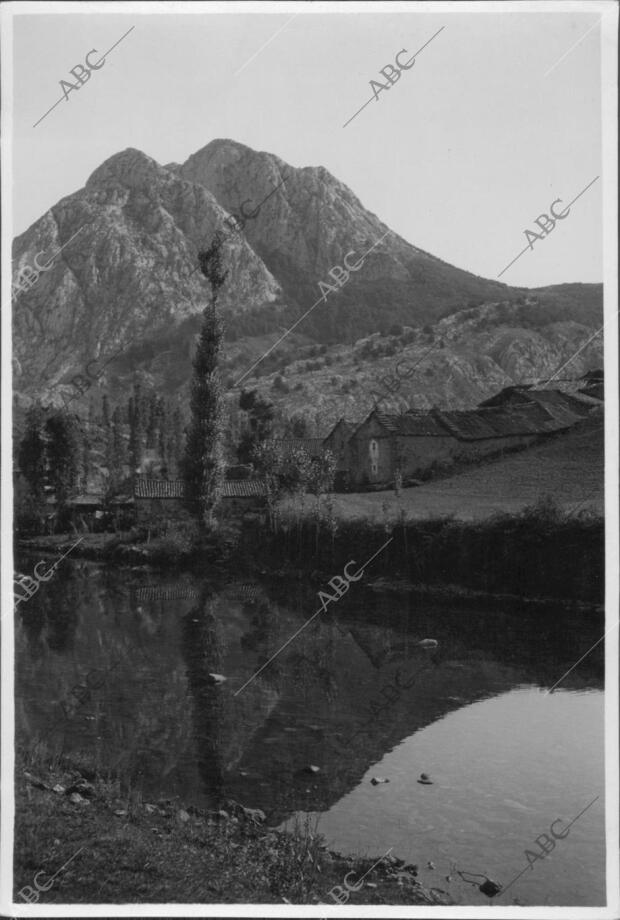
(598, 641)
(105, 53)
(581, 348)
(375, 96)
(530, 245)
(572, 47)
(62, 247)
(288, 331)
(510, 884)
(374, 556)
(269, 40)
(67, 863)
(570, 203)
(48, 111)
(514, 260)
(275, 655)
(98, 62)
(269, 350)
(301, 628)
(373, 866)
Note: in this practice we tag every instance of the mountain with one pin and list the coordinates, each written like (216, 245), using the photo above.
(127, 283)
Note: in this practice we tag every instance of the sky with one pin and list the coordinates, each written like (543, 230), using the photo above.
(499, 116)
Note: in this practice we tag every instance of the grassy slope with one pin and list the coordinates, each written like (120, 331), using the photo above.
(569, 468)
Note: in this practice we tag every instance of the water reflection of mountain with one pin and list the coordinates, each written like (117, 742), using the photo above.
(161, 720)
(335, 710)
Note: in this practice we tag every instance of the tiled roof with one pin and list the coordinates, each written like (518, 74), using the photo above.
(243, 592)
(244, 488)
(504, 421)
(417, 424)
(159, 488)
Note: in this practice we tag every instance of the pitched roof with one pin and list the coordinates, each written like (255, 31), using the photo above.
(562, 406)
(158, 488)
(504, 421)
(244, 488)
(414, 423)
(348, 428)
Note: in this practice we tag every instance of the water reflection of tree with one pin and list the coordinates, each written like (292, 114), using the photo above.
(60, 599)
(32, 616)
(264, 635)
(202, 650)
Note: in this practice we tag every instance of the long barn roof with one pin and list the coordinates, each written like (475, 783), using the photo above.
(534, 417)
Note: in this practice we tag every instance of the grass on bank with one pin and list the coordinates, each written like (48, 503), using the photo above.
(133, 851)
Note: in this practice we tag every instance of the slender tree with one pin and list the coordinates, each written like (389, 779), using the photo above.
(203, 466)
(31, 457)
(63, 452)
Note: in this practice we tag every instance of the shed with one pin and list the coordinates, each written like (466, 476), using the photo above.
(158, 501)
(240, 496)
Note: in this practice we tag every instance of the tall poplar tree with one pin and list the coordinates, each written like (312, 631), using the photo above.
(32, 453)
(203, 466)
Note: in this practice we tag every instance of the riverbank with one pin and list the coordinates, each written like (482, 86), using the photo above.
(131, 851)
(541, 553)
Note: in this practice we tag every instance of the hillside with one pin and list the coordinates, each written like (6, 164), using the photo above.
(127, 282)
(454, 364)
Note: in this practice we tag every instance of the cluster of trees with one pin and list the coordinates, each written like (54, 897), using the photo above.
(144, 422)
(49, 457)
(295, 471)
(49, 453)
(61, 457)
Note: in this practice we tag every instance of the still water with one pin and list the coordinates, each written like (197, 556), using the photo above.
(121, 670)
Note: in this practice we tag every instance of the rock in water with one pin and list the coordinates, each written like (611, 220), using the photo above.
(428, 643)
(312, 769)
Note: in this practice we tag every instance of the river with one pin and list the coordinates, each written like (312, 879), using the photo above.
(153, 678)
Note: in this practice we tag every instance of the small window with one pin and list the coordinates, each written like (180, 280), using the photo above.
(374, 457)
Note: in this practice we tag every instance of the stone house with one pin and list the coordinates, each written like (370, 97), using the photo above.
(384, 443)
(338, 442)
